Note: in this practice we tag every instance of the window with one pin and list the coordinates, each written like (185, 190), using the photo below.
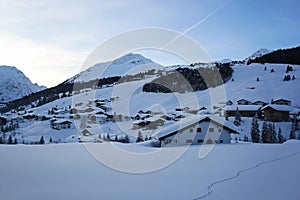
(199, 130)
(219, 130)
(167, 141)
(211, 130)
(200, 141)
(221, 141)
(189, 141)
(191, 130)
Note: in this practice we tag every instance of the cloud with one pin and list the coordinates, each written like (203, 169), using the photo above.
(43, 63)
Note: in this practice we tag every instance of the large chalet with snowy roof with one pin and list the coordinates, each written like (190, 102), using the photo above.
(276, 113)
(195, 130)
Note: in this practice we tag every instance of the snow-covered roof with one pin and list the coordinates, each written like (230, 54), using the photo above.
(243, 107)
(278, 107)
(188, 121)
(62, 121)
(281, 99)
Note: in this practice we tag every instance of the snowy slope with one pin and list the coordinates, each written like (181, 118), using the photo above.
(14, 84)
(132, 99)
(128, 64)
(68, 171)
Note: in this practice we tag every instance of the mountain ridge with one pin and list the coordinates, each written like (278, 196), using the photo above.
(14, 84)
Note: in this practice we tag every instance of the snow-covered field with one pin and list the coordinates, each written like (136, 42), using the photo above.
(233, 171)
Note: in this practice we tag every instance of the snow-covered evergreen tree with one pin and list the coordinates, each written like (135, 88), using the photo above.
(265, 135)
(255, 137)
(42, 141)
(292, 132)
(140, 137)
(273, 135)
(238, 118)
(10, 141)
(280, 138)
(295, 121)
(126, 139)
(108, 137)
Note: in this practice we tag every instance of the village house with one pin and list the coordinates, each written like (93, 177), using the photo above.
(61, 124)
(3, 121)
(229, 103)
(243, 102)
(281, 102)
(244, 110)
(195, 130)
(276, 113)
(261, 103)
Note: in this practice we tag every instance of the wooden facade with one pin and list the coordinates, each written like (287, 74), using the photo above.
(274, 114)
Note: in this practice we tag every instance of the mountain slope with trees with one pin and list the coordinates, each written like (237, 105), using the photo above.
(281, 56)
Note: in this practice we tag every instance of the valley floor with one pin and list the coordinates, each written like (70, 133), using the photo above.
(230, 171)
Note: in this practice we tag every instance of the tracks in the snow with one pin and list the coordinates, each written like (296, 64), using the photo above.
(210, 187)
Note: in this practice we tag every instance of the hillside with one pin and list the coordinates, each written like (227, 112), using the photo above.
(14, 84)
(119, 103)
(287, 56)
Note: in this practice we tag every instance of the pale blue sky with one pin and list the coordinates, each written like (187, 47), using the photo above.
(50, 39)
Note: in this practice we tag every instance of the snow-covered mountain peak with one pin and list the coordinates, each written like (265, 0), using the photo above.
(135, 59)
(127, 64)
(14, 84)
(259, 53)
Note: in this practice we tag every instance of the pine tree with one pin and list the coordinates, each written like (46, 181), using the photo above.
(42, 141)
(50, 140)
(292, 133)
(10, 141)
(146, 138)
(280, 137)
(265, 133)
(1, 141)
(295, 121)
(293, 77)
(15, 141)
(257, 79)
(116, 138)
(273, 134)
(140, 137)
(237, 116)
(246, 138)
(108, 137)
(255, 137)
(126, 139)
